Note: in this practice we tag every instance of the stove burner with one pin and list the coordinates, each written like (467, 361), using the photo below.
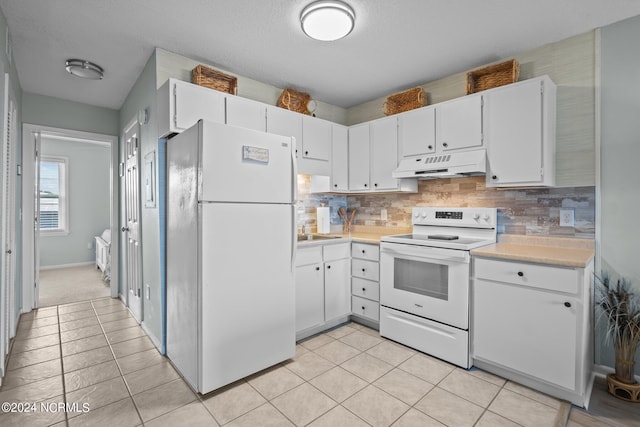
(442, 237)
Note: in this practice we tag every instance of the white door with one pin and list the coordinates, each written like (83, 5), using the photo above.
(36, 220)
(459, 123)
(246, 113)
(417, 132)
(286, 123)
(7, 202)
(384, 153)
(316, 138)
(359, 157)
(131, 229)
(339, 158)
(337, 289)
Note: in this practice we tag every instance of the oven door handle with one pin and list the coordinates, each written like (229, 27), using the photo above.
(435, 254)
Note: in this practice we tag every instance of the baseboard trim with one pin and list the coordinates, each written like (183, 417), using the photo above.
(603, 370)
(152, 337)
(57, 267)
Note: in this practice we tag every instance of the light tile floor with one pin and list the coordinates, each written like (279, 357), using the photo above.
(93, 355)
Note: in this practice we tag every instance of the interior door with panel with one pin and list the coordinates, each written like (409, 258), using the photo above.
(131, 229)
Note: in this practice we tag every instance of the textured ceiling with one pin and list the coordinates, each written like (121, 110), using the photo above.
(395, 43)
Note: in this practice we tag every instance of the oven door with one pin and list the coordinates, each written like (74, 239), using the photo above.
(429, 282)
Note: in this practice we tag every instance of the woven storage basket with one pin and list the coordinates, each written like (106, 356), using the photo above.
(294, 100)
(404, 101)
(492, 76)
(214, 79)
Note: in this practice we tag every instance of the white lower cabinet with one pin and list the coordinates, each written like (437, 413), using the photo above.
(531, 323)
(365, 286)
(322, 288)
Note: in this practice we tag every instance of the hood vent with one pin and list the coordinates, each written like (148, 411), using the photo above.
(456, 164)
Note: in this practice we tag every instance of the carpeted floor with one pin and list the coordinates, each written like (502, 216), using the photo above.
(65, 285)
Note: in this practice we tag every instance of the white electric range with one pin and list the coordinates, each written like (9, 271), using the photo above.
(424, 280)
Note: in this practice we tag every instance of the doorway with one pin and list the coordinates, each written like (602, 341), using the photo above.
(60, 221)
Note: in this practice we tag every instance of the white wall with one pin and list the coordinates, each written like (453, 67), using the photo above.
(89, 202)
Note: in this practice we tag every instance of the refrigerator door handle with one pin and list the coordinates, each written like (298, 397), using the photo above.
(294, 238)
(294, 172)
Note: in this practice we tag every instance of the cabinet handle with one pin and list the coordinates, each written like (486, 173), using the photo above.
(328, 266)
(520, 273)
(364, 289)
(494, 177)
(335, 185)
(363, 308)
(375, 185)
(125, 229)
(306, 152)
(430, 147)
(445, 144)
(317, 268)
(567, 304)
(363, 270)
(363, 251)
(366, 185)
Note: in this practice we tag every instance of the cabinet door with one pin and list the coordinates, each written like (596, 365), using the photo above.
(309, 296)
(359, 157)
(417, 132)
(246, 113)
(316, 138)
(384, 153)
(339, 158)
(193, 103)
(337, 290)
(286, 123)
(459, 123)
(514, 134)
(531, 331)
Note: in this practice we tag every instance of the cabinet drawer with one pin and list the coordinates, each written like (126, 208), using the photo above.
(364, 251)
(365, 308)
(337, 251)
(532, 275)
(306, 256)
(365, 289)
(365, 269)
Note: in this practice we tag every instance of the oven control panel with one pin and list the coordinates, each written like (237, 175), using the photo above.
(460, 217)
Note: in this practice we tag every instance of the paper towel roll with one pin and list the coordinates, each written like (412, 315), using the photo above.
(323, 219)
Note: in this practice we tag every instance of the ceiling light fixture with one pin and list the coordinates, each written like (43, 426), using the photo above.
(84, 69)
(327, 20)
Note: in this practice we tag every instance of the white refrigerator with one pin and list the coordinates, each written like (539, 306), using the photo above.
(231, 244)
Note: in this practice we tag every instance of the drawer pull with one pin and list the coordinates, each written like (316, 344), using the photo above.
(520, 273)
(363, 308)
(363, 270)
(363, 251)
(364, 289)
(567, 304)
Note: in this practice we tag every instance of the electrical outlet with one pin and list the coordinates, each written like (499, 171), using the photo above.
(566, 218)
(383, 214)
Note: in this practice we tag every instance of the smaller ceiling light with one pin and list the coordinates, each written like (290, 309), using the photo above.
(327, 20)
(84, 69)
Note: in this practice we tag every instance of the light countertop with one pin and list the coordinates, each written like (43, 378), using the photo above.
(362, 234)
(566, 252)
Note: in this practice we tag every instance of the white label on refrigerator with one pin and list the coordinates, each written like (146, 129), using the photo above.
(256, 154)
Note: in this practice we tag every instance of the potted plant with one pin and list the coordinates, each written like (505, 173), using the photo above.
(621, 307)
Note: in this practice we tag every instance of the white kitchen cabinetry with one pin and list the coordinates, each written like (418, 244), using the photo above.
(246, 113)
(359, 157)
(365, 286)
(521, 126)
(417, 132)
(532, 323)
(459, 123)
(322, 288)
(286, 123)
(181, 104)
(309, 288)
(339, 158)
(384, 153)
(316, 138)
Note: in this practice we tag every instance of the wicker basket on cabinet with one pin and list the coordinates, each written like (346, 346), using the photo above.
(404, 101)
(294, 100)
(492, 76)
(214, 79)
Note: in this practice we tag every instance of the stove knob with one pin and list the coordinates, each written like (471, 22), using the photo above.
(424, 215)
(416, 215)
(476, 216)
(486, 217)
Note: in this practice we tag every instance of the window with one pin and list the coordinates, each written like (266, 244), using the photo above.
(53, 195)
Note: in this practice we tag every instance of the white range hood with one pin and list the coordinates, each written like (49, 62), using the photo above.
(447, 165)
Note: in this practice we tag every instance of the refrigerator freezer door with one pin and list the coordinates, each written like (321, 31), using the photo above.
(248, 291)
(245, 166)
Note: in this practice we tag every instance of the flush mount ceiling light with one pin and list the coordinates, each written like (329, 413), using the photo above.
(327, 20)
(84, 69)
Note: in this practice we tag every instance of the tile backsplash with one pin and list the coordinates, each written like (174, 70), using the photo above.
(526, 211)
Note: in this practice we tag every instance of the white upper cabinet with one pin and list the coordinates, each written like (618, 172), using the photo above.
(339, 158)
(521, 134)
(359, 157)
(182, 104)
(286, 123)
(384, 153)
(459, 123)
(246, 113)
(316, 138)
(417, 132)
